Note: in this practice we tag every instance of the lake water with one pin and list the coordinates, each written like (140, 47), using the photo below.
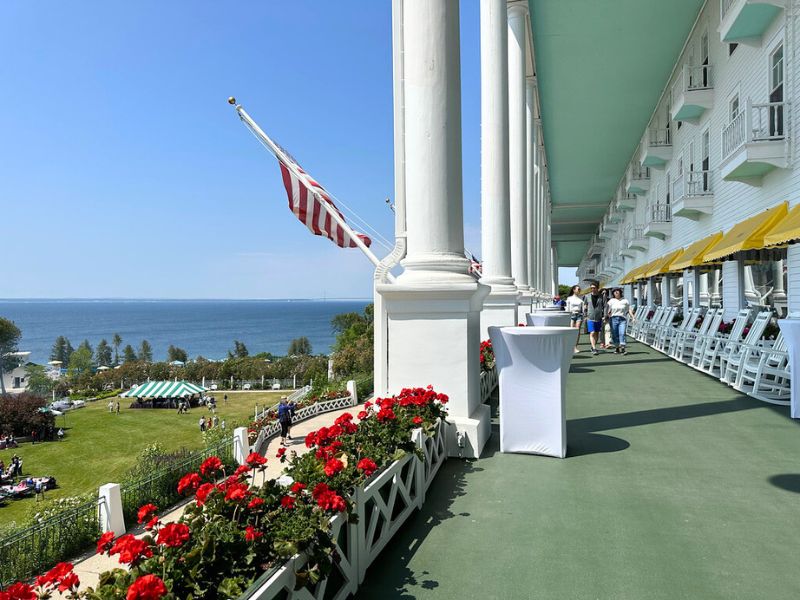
(201, 327)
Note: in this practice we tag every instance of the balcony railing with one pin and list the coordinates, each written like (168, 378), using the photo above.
(758, 122)
(660, 213)
(693, 183)
(693, 77)
(637, 232)
(638, 172)
(660, 137)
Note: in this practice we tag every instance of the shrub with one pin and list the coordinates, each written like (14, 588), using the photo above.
(20, 414)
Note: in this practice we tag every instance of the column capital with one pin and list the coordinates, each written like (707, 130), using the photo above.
(517, 8)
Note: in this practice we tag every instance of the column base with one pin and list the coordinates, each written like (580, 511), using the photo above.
(475, 431)
(499, 310)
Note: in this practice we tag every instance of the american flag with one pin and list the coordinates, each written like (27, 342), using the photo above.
(475, 266)
(310, 203)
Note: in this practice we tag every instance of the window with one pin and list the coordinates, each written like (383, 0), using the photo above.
(734, 107)
(776, 92)
(731, 48)
(669, 187)
(704, 75)
(704, 157)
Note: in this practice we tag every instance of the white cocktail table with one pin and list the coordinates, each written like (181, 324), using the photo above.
(548, 318)
(532, 366)
(791, 333)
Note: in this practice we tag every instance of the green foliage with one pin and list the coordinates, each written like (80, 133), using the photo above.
(128, 354)
(80, 361)
(239, 350)
(174, 353)
(354, 347)
(39, 383)
(299, 347)
(563, 290)
(116, 341)
(9, 338)
(62, 350)
(19, 414)
(103, 354)
(85, 345)
(145, 352)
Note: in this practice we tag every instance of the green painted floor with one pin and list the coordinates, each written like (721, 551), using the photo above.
(674, 487)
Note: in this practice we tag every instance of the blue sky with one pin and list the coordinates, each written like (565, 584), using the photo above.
(127, 174)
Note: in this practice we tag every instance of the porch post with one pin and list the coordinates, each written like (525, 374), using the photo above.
(793, 281)
(703, 298)
(713, 284)
(651, 292)
(433, 309)
(500, 307)
(517, 43)
(778, 289)
(732, 288)
(531, 207)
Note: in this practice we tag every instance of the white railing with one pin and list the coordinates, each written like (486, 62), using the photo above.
(660, 213)
(638, 172)
(382, 506)
(489, 378)
(659, 137)
(693, 77)
(691, 184)
(295, 396)
(724, 6)
(758, 122)
(637, 232)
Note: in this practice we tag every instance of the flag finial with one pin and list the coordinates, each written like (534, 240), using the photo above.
(232, 100)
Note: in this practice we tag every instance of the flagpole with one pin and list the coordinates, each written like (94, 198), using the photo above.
(248, 120)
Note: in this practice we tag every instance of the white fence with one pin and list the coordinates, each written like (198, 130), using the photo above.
(488, 384)
(295, 396)
(382, 506)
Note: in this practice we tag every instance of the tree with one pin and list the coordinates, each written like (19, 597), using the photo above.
(354, 347)
(300, 347)
(128, 354)
(62, 350)
(80, 361)
(117, 342)
(174, 353)
(9, 339)
(103, 354)
(86, 346)
(145, 352)
(239, 350)
(38, 381)
(19, 414)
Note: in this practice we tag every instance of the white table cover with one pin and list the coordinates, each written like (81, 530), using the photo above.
(791, 333)
(532, 363)
(548, 319)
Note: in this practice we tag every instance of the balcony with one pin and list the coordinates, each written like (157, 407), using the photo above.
(595, 246)
(693, 93)
(746, 20)
(660, 225)
(637, 240)
(657, 148)
(615, 215)
(626, 201)
(754, 143)
(638, 180)
(625, 249)
(692, 195)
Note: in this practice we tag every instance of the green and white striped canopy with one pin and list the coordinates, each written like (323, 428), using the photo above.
(163, 389)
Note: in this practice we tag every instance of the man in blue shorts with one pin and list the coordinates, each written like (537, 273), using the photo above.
(595, 313)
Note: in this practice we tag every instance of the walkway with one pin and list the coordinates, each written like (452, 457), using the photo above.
(675, 487)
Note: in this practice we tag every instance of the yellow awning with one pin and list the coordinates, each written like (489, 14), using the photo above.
(638, 272)
(694, 253)
(661, 265)
(749, 234)
(631, 275)
(787, 230)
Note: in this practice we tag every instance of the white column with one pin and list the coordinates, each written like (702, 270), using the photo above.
(793, 281)
(713, 284)
(433, 309)
(530, 179)
(778, 288)
(110, 515)
(554, 266)
(651, 293)
(517, 34)
(732, 288)
(703, 298)
(500, 307)
(241, 445)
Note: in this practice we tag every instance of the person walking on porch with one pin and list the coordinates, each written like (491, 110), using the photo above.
(574, 306)
(595, 310)
(618, 311)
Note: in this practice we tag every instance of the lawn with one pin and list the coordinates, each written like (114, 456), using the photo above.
(100, 447)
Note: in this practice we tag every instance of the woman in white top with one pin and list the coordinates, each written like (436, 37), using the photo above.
(618, 311)
(574, 306)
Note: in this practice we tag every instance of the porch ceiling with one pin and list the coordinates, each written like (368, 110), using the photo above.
(601, 67)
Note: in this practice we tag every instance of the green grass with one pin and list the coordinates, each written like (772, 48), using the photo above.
(100, 447)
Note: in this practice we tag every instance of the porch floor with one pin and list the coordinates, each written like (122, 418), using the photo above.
(675, 486)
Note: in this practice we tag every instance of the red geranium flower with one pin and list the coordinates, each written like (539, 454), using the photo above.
(255, 503)
(105, 541)
(327, 499)
(386, 414)
(145, 512)
(202, 493)
(250, 534)
(147, 587)
(297, 487)
(362, 415)
(287, 502)
(281, 452)
(210, 465)
(367, 465)
(69, 582)
(333, 466)
(254, 459)
(236, 491)
(57, 576)
(151, 523)
(173, 535)
(131, 549)
(417, 420)
(190, 481)
(241, 470)
(18, 591)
